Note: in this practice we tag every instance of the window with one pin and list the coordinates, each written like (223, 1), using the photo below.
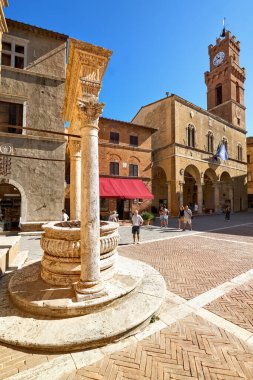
(210, 142)
(14, 52)
(114, 137)
(11, 114)
(248, 158)
(114, 168)
(134, 140)
(191, 135)
(133, 170)
(239, 152)
(218, 94)
(249, 177)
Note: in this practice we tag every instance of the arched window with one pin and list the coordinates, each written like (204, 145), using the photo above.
(210, 142)
(239, 152)
(191, 136)
(218, 94)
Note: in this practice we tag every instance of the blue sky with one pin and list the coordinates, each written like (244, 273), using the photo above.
(158, 45)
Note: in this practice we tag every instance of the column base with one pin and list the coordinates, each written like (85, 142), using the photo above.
(89, 290)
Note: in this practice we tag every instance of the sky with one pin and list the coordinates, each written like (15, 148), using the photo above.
(158, 45)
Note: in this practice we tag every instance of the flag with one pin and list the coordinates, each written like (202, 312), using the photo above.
(222, 152)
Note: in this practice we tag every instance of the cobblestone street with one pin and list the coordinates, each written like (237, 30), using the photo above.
(205, 328)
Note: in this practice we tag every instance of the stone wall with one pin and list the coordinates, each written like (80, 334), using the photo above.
(38, 158)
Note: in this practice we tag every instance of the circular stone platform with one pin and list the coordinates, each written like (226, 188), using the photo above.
(120, 318)
(31, 293)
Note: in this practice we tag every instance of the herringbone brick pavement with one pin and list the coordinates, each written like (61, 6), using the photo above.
(189, 349)
(192, 266)
(14, 360)
(236, 306)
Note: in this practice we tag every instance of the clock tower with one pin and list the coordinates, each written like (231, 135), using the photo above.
(225, 81)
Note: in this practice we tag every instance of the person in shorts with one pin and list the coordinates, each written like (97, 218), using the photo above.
(137, 222)
(187, 218)
(180, 217)
(161, 216)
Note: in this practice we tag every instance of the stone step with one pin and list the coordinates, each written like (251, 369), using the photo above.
(9, 248)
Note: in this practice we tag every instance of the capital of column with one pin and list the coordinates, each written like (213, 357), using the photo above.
(75, 148)
(88, 113)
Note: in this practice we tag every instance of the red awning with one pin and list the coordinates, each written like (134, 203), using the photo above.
(123, 188)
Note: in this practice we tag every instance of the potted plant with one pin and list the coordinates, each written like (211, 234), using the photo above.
(147, 217)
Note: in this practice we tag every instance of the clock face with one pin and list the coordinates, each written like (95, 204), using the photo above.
(218, 59)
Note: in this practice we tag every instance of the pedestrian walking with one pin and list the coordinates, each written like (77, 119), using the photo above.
(137, 222)
(180, 216)
(187, 217)
(227, 213)
(161, 213)
(64, 216)
(196, 208)
(165, 216)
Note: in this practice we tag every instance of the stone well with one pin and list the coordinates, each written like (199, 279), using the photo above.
(61, 262)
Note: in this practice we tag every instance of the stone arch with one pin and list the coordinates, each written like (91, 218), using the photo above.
(114, 157)
(210, 180)
(159, 186)
(133, 160)
(23, 211)
(190, 187)
(226, 190)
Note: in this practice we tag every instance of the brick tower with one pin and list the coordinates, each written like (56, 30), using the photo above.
(225, 81)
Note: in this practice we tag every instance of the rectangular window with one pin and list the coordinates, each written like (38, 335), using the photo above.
(248, 158)
(114, 137)
(133, 170)
(13, 54)
(11, 115)
(114, 168)
(134, 140)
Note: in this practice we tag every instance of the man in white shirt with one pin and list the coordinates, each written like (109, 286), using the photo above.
(65, 216)
(137, 221)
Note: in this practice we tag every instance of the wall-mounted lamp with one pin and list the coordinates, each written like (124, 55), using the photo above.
(44, 205)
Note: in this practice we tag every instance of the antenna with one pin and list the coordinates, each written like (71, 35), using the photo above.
(223, 33)
(167, 94)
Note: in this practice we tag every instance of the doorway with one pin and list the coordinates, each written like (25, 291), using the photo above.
(120, 208)
(10, 207)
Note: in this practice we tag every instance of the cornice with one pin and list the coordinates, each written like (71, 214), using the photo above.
(36, 29)
(85, 69)
(124, 147)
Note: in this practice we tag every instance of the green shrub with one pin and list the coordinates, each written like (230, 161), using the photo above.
(147, 215)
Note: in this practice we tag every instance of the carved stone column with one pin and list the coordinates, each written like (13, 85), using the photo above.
(181, 194)
(216, 197)
(231, 197)
(89, 285)
(75, 179)
(200, 197)
(169, 196)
